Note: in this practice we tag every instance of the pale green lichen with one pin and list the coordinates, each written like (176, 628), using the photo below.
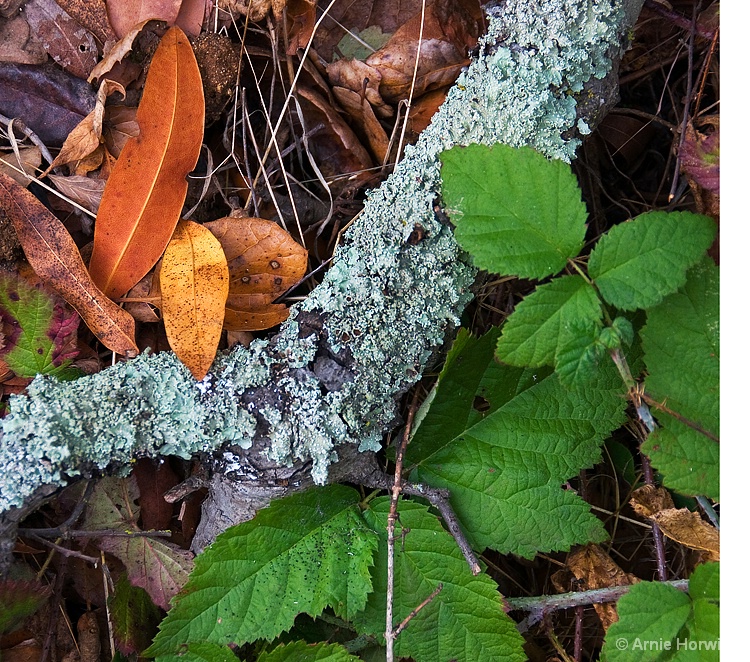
(386, 302)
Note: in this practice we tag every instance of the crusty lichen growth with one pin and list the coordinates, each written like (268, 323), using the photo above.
(397, 285)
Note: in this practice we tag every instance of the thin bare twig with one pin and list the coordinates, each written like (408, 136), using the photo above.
(390, 636)
(405, 623)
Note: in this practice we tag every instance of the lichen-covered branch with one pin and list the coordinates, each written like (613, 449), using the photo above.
(334, 373)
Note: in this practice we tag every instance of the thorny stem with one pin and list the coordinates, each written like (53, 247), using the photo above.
(390, 636)
(539, 605)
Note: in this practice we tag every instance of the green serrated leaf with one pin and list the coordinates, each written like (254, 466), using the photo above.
(543, 321)
(657, 622)
(201, 651)
(579, 355)
(302, 554)
(504, 466)
(464, 622)
(135, 618)
(39, 329)
(681, 349)
(687, 460)
(637, 264)
(516, 212)
(623, 327)
(301, 651)
(650, 617)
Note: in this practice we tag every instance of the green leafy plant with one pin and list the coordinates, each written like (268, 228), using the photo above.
(514, 415)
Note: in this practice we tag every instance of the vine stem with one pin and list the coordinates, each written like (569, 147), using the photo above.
(390, 635)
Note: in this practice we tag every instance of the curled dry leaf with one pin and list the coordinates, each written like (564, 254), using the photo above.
(449, 31)
(194, 282)
(116, 52)
(589, 568)
(87, 136)
(264, 261)
(681, 525)
(145, 192)
(55, 258)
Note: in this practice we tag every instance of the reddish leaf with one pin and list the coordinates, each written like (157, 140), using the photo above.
(158, 567)
(135, 618)
(19, 599)
(69, 44)
(186, 14)
(194, 283)
(144, 195)
(55, 258)
(699, 155)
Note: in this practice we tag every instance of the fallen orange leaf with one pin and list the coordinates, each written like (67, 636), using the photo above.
(262, 257)
(264, 261)
(144, 195)
(54, 256)
(194, 282)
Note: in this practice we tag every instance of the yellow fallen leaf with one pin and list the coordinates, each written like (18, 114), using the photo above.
(194, 282)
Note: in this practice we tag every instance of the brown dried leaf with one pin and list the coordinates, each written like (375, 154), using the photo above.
(66, 41)
(55, 258)
(86, 191)
(31, 159)
(18, 44)
(244, 320)
(687, 528)
(262, 257)
(92, 15)
(363, 118)
(194, 284)
(592, 568)
(116, 52)
(336, 148)
(681, 525)
(648, 500)
(144, 195)
(120, 125)
(191, 14)
(87, 136)
(144, 298)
